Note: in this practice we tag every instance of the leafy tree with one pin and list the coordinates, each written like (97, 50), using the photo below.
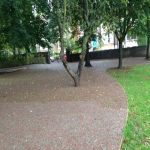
(141, 40)
(142, 29)
(21, 26)
(11, 29)
(87, 15)
(123, 16)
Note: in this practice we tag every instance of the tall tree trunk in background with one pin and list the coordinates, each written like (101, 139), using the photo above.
(87, 56)
(14, 51)
(148, 40)
(148, 48)
(120, 54)
(19, 52)
(27, 52)
(48, 56)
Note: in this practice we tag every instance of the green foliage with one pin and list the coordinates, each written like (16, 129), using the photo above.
(142, 40)
(71, 45)
(4, 56)
(122, 16)
(21, 25)
(56, 54)
(51, 52)
(88, 15)
(37, 60)
(135, 82)
(76, 51)
(101, 43)
(11, 61)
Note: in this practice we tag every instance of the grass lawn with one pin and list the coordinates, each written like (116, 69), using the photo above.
(135, 81)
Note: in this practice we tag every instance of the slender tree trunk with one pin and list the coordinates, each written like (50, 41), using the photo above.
(61, 25)
(65, 63)
(14, 51)
(19, 52)
(120, 54)
(148, 40)
(48, 57)
(27, 52)
(87, 56)
(148, 48)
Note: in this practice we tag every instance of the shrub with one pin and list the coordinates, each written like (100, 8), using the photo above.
(20, 61)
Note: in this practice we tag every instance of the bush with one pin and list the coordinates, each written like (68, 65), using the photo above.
(13, 63)
(20, 61)
(37, 60)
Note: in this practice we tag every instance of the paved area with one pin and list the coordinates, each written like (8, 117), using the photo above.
(41, 110)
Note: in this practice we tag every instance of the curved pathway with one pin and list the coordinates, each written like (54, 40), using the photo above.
(41, 110)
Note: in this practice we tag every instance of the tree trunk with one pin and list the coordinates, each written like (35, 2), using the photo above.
(82, 57)
(14, 51)
(27, 52)
(61, 25)
(148, 48)
(120, 54)
(19, 52)
(87, 56)
(148, 40)
(48, 57)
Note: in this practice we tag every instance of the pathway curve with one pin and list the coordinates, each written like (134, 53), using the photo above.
(41, 110)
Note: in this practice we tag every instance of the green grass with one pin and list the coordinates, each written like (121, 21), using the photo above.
(135, 81)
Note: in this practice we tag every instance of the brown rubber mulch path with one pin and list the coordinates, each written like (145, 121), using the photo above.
(40, 109)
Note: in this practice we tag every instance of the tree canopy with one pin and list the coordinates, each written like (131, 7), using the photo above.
(20, 25)
(122, 16)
